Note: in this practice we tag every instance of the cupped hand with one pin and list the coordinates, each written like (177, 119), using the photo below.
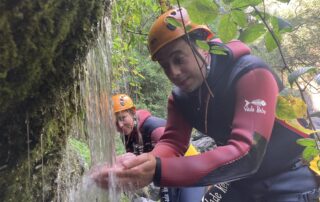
(101, 174)
(131, 172)
(137, 173)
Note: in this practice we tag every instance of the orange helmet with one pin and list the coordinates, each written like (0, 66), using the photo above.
(122, 102)
(162, 33)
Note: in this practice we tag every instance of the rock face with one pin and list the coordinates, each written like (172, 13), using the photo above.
(202, 142)
(42, 43)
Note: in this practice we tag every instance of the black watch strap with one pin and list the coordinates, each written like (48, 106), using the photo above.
(157, 173)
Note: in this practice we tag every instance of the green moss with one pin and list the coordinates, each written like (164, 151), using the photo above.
(42, 39)
(41, 45)
(82, 150)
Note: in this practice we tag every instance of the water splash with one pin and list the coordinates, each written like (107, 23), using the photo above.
(96, 126)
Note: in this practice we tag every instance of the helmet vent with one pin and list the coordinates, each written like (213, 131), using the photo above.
(173, 13)
(171, 27)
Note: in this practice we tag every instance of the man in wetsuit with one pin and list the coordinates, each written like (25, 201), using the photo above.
(231, 98)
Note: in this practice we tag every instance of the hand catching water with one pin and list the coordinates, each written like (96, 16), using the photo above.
(131, 172)
(102, 174)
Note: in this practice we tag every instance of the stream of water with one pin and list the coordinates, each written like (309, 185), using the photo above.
(96, 125)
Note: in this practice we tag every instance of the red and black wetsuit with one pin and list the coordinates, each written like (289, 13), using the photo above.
(252, 144)
(151, 129)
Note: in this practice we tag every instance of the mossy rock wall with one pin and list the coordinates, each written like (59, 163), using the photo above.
(42, 43)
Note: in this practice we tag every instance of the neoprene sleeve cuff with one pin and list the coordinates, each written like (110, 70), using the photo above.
(157, 173)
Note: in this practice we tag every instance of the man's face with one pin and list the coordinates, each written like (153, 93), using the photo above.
(124, 122)
(180, 65)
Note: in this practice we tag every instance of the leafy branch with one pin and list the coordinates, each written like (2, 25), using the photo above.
(293, 75)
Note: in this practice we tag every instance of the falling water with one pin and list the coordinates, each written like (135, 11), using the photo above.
(28, 148)
(96, 125)
(42, 171)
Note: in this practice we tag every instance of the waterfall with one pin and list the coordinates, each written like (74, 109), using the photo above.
(96, 125)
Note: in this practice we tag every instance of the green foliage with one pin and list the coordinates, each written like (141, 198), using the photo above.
(82, 149)
(290, 107)
(154, 90)
(230, 20)
(201, 11)
(271, 38)
(218, 50)
(307, 142)
(131, 22)
(173, 22)
(244, 3)
(309, 153)
(239, 17)
(270, 42)
(203, 45)
(227, 28)
(120, 149)
(252, 33)
(132, 72)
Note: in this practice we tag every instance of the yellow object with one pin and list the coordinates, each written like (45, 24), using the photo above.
(191, 151)
(122, 102)
(314, 165)
(162, 32)
(295, 124)
(290, 107)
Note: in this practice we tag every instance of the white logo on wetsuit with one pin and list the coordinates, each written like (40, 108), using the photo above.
(216, 193)
(255, 106)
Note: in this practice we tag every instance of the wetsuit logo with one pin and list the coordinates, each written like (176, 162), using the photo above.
(216, 193)
(255, 106)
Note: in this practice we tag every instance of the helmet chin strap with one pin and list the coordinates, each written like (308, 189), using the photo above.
(140, 138)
